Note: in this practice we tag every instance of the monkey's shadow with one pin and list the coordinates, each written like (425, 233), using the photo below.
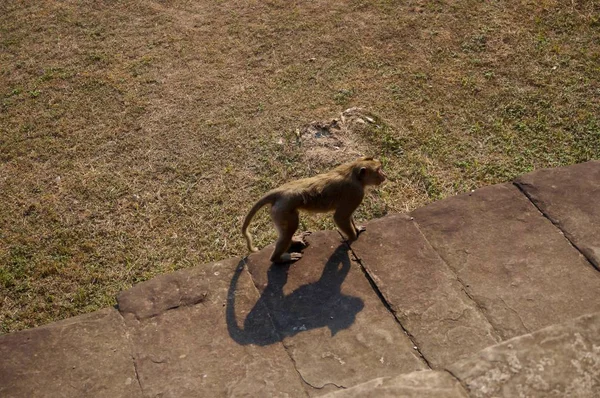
(314, 305)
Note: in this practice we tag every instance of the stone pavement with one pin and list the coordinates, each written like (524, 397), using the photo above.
(493, 293)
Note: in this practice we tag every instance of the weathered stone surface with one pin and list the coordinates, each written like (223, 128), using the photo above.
(425, 383)
(198, 348)
(558, 361)
(423, 292)
(518, 266)
(570, 197)
(331, 320)
(84, 356)
(178, 289)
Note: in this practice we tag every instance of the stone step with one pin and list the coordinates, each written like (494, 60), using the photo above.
(423, 292)
(511, 260)
(187, 341)
(570, 196)
(84, 356)
(559, 361)
(331, 321)
(419, 384)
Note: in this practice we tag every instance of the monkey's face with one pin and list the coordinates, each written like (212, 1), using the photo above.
(372, 173)
(380, 175)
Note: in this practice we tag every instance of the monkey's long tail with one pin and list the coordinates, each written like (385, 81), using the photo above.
(269, 198)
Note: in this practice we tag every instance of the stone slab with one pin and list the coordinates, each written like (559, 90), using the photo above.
(332, 322)
(189, 338)
(558, 361)
(168, 291)
(84, 356)
(426, 383)
(570, 197)
(423, 292)
(513, 262)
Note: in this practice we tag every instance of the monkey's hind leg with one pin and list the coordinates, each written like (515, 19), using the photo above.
(286, 224)
(299, 242)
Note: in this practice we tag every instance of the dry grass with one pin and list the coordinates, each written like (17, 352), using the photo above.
(134, 135)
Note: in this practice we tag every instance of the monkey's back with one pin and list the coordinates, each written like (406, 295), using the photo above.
(321, 193)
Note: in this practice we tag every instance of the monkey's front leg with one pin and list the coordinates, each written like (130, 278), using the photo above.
(345, 223)
(360, 229)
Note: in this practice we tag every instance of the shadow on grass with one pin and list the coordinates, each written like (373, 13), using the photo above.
(314, 305)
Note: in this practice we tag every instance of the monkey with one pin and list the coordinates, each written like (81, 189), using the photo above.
(340, 191)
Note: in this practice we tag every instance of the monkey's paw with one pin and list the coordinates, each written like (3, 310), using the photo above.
(288, 258)
(295, 256)
(299, 242)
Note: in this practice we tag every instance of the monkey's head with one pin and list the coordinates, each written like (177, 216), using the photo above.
(369, 171)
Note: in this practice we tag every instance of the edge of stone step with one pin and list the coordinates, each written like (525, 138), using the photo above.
(558, 360)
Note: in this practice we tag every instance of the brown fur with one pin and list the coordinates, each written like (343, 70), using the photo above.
(340, 190)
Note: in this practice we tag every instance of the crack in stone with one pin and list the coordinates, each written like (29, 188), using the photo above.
(198, 300)
(456, 319)
(516, 313)
(461, 282)
(477, 305)
(79, 390)
(556, 223)
(285, 348)
(302, 377)
(341, 387)
(462, 384)
(137, 375)
(133, 359)
(386, 304)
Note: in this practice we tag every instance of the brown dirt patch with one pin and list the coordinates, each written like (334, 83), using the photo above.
(337, 140)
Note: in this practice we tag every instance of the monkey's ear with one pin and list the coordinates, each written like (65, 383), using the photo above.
(362, 172)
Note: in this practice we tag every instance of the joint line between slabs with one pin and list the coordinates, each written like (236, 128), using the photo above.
(385, 303)
(557, 225)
